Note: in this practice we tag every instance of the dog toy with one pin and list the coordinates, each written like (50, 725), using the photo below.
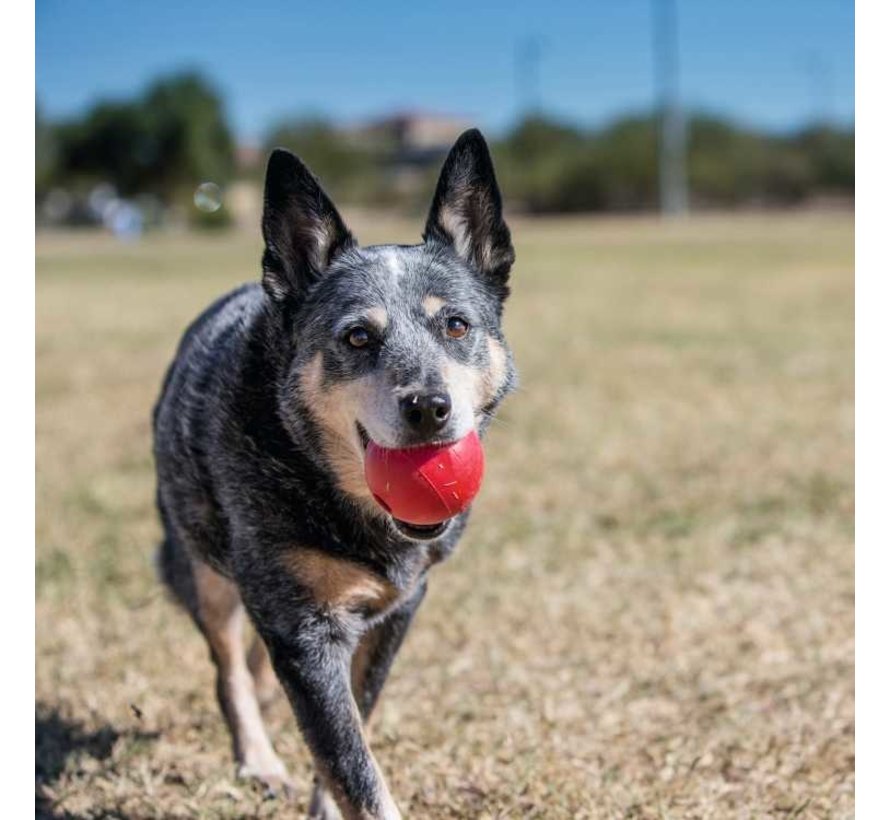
(428, 484)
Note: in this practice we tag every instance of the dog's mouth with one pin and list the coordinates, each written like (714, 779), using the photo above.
(421, 532)
(416, 532)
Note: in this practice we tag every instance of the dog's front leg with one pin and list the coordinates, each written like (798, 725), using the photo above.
(371, 663)
(377, 650)
(311, 643)
(313, 666)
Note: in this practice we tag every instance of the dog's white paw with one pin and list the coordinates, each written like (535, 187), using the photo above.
(323, 806)
(271, 775)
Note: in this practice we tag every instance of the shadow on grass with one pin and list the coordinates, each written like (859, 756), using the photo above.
(58, 739)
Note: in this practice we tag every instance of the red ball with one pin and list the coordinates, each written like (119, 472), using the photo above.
(429, 484)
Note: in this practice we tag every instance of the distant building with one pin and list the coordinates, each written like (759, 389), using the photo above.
(407, 148)
(248, 157)
(412, 139)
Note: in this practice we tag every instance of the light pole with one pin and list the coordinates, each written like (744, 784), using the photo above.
(528, 64)
(672, 186)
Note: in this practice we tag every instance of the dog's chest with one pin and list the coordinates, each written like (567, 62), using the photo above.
(340, 585)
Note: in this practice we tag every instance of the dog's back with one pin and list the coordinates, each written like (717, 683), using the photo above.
(187, 419)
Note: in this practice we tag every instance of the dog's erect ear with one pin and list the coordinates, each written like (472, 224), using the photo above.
(466, 210)
(301, 227)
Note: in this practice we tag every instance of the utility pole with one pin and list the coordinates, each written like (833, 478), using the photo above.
(819, 77)
(528, 64)
(673, 192)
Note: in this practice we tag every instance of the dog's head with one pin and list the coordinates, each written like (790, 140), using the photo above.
(399, 344)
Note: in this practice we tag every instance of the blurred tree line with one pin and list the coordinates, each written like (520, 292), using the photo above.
(161, 144)
(548, 167)
(175, 135)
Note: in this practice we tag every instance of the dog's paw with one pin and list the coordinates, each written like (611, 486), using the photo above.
(322, 806)
(273, 779)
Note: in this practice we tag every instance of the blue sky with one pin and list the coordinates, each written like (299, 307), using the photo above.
(771, 64)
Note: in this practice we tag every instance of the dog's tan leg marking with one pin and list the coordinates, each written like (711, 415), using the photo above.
(388, 808)
(221, 617)
(323, 806)
(432, 305)
(360, 660)
(265, 680)
(338, 584)
(329, 803)
(327, 794)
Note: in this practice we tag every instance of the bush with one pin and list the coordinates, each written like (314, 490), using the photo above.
(348, 171)
(216, 220)
(165, 142)
(175, 137)
(548, 167)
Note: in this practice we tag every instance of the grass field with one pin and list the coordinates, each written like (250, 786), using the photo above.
(652, 612)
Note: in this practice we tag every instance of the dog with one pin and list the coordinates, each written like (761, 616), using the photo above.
(259, 436)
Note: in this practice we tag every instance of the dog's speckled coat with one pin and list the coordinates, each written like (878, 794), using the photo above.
(259, 436)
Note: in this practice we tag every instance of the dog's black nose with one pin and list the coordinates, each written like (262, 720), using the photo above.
(426, 413)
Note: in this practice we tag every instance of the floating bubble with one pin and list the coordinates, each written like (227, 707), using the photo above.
(100, 197)
(208, 197)
(123, 219)
(58, 204)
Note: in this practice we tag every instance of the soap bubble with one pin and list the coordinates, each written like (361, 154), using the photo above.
(58, 205)
(208, 197)
(100, 198)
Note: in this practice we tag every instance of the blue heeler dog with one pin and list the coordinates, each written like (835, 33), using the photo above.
(260, 430)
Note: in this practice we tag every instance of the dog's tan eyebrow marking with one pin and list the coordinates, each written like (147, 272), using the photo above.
(378, 316)
(432, 305)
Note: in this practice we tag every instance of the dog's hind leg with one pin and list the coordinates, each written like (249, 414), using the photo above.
(264, 679)
(220, 616)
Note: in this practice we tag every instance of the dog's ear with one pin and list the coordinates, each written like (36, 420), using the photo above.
(466, 211)
(301, 227)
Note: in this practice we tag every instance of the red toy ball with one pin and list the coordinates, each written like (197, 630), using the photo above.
(426, 485)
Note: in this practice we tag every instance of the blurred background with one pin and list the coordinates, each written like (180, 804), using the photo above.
(591, 107)
(651, 614)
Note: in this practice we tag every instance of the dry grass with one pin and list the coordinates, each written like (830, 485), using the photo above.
(652, 613)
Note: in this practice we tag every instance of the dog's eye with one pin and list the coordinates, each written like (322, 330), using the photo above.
(457, 328)
(358, 337)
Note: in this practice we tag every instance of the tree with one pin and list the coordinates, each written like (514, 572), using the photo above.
(344, 167)
(46, 153)
(110, 144)
(532, 160)
(547, 167)
(189, 140)
(166, 142)
(832, 152)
